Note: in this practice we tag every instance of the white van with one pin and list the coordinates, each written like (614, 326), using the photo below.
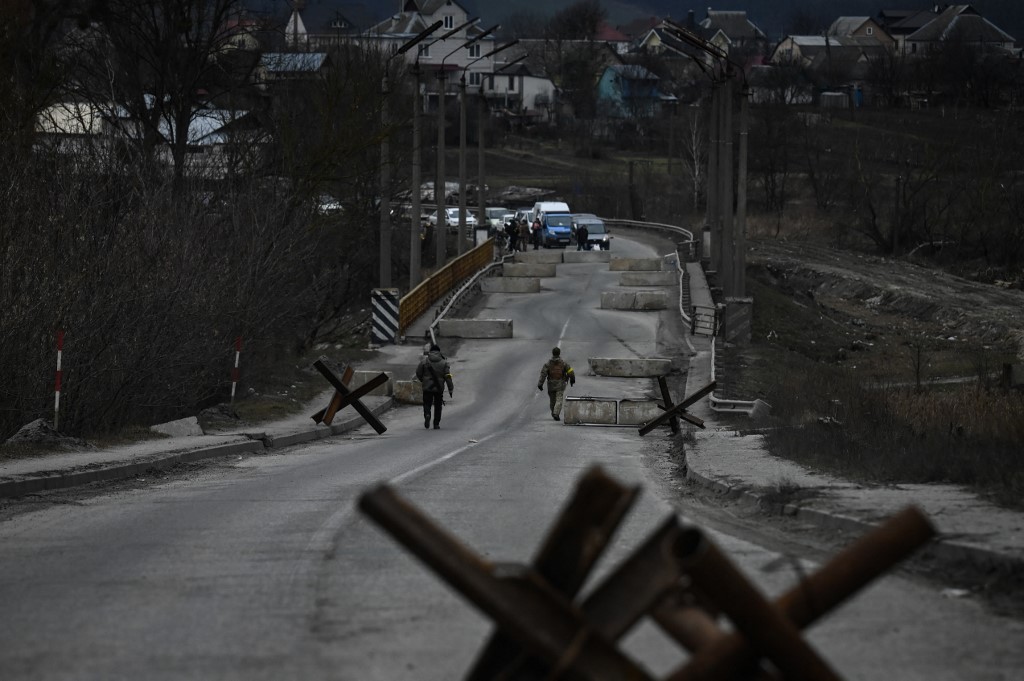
(542, 207)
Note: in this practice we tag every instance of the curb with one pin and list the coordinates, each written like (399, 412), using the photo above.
(257, 443)
(941, 551)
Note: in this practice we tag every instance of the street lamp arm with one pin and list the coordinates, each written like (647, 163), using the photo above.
(513, 62)
(492, 53)
(499, 49)
(423, 35)
(480, 37)
(455, 30)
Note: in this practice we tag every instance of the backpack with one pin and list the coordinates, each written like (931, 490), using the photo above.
(556, 370)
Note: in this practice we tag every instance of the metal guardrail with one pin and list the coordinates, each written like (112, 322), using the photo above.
(417, 301)
(661, 226)
(689, 247)
(704, 320)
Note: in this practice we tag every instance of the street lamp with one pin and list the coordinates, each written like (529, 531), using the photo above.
(440, 183)
(462, 148)
(481, 193)
(415, 260)
(385, 161)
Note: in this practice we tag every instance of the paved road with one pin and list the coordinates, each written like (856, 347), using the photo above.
(261, 568)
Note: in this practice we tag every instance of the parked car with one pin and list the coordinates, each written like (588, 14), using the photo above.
(541, 208)
(525, 213)
(556, 230)
(495, 218)
(597, 232)
(328, 205)
(452, 219)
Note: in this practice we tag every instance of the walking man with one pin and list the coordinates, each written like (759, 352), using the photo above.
(557, 372)
(434, 373)
(582, 236)
(536, 229)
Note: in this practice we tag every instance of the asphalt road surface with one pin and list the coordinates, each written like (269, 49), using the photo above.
(263, 568)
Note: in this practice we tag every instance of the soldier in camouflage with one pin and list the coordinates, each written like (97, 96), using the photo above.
(557, 372)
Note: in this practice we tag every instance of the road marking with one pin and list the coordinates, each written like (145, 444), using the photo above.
(430, 464)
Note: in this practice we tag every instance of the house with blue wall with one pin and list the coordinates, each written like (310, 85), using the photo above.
(628, 91)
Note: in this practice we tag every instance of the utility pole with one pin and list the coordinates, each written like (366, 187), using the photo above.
(441, 231)
(415, 243)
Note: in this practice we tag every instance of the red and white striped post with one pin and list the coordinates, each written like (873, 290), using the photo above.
(234, 372)
(56, 389)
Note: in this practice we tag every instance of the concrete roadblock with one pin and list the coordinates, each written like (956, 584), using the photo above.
(544, 257)
(635, 264)
(634, 300)
(648, 279)
(586, 256)
(528, 269)
(475, 328)
(510, 285)
(590, 410)
(408, 392)
(630, 367)
(638, 412)
(361, 377)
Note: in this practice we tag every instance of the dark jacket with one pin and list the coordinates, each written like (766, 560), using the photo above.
(557, 372)
(435, 380)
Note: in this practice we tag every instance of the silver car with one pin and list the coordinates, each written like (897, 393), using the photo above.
(451, 216)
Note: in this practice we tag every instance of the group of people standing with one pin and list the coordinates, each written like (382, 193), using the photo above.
(521, 233)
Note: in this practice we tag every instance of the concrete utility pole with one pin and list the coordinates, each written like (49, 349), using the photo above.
(385, 188)
(384, 275)
(728, 253)
(461, 239)
(441, 230)
(415, 245)
(725, 221)
(740, 275)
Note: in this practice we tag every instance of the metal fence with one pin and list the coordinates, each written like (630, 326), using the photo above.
(438, 285)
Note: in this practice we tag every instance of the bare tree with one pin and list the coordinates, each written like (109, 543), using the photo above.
(695, 150)
(153, 65)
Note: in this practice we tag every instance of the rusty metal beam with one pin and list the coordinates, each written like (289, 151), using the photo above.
(678, 410)
(321, 366)
(346, 378)
(766, 627)
(847, 572)
(521, 604)
(667, 399)
(571, 549)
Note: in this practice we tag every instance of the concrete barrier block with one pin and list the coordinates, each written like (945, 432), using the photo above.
(586, 256)
(630, 367)
(637, 412)
(361, 377)
(186, 427)
(648, 279)
(636, 264)
(510, 285)
(599, 410)
(544, 257)
(634, 300)
(528, 269)
(475, 328)
(408, 392)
